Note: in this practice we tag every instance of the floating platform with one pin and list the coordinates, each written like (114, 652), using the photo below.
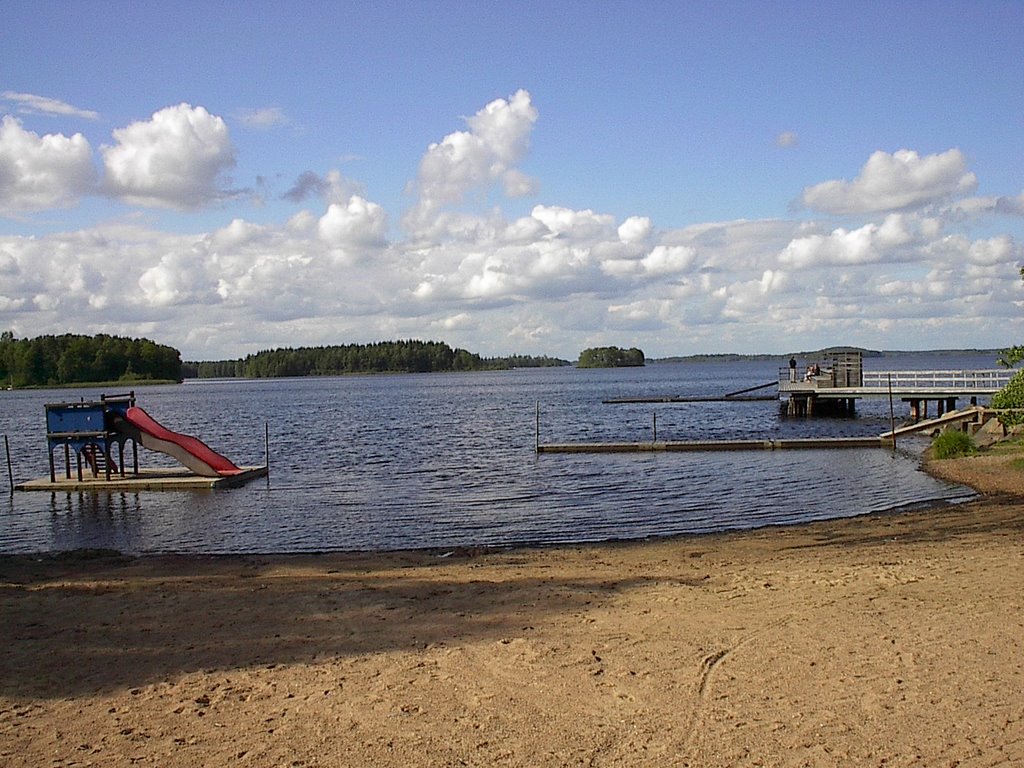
(171, 479)
(719, 445)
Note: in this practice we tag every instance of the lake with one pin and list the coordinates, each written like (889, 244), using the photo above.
(448, 460)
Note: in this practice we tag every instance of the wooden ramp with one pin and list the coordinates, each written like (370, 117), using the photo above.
(174, 479)
(974, 414)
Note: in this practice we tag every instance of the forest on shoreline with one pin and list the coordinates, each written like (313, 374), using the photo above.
(411, 356)
(73, 359)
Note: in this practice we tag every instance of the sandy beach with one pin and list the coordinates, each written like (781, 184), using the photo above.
(882, 640)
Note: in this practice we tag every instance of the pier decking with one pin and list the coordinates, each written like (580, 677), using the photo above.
(917, 388)
(968, 419)
(170, 479)
(718, 445)
(843, 381)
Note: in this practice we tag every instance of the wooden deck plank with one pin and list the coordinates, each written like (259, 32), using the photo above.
(172, 479)
(718, 445)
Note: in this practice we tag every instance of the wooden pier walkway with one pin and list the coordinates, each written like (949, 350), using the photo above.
(739, 396)
(932, 385)
(967, 419)
(718, 445)
(834, 390)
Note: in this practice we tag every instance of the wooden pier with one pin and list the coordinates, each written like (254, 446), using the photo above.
(969, 420)
(827, 390)
(842, 381)
(694, 446)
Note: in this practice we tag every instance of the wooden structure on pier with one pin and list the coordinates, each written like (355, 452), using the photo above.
(839, 380)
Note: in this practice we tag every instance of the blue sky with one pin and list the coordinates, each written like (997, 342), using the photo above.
(534, 178)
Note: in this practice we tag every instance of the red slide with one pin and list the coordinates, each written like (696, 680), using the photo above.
(193, 453)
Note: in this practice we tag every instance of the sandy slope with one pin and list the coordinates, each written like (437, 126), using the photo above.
(882, 640)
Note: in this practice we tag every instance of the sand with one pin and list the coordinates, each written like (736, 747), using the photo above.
(884, 640)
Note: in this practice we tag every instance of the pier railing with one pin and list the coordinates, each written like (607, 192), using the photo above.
(990, 380)
(995, 378)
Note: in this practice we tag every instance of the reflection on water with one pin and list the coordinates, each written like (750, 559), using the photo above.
(383, 462)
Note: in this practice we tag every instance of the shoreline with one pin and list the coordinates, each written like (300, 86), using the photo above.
(876, 639)
(985, 483)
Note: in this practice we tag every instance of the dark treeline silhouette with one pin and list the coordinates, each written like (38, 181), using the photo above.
(381, 357)
(77, 359)
(610, 357)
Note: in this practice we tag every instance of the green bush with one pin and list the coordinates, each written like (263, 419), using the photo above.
(1011, 396)
(951, 444)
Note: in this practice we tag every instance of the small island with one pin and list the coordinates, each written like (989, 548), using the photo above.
(611, 357)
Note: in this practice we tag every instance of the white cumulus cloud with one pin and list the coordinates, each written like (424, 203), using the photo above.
(565, 222)
(635, 229)
(357, 223)
(497, 139)
(175, 159)
(39, 172)
(891, 182)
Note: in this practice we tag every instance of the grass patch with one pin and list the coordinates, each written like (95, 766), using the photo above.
(953, 444)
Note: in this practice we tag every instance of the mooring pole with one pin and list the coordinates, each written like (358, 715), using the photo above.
(10, 472)
(655, 418)
(536, 429)
(266, 446)
(892, 415)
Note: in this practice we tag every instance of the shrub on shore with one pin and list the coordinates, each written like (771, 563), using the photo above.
(1011, 396)
(953, 444)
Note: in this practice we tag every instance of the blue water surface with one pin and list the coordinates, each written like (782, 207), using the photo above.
(448, 460)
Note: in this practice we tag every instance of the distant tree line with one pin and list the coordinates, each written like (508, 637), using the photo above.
(410, 356)
(76, 359)
(610, 357)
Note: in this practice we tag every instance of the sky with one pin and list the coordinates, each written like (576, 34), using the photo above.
(514, 178)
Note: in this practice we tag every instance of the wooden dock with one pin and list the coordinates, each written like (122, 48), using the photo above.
(685, 399)
(739, 396)
(828, 392)
(967, 419)
(172, 479)
(811, 443)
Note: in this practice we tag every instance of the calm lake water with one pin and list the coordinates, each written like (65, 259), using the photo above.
(448, 460)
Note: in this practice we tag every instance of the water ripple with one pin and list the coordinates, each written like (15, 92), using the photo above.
(384, 462)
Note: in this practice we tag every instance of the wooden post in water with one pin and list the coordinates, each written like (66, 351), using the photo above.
(10, 472)
(655, 415)
(892, 415)
(536, 429)
(266, 446)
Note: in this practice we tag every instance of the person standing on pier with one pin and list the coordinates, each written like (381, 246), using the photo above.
(792, 369)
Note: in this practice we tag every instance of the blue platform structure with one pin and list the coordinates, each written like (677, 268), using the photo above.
(88, 429)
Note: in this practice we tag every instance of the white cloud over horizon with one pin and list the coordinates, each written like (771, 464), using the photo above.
(456, 265)
(892, 182)
(498, 138)
(175, 159)
(42, 172)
